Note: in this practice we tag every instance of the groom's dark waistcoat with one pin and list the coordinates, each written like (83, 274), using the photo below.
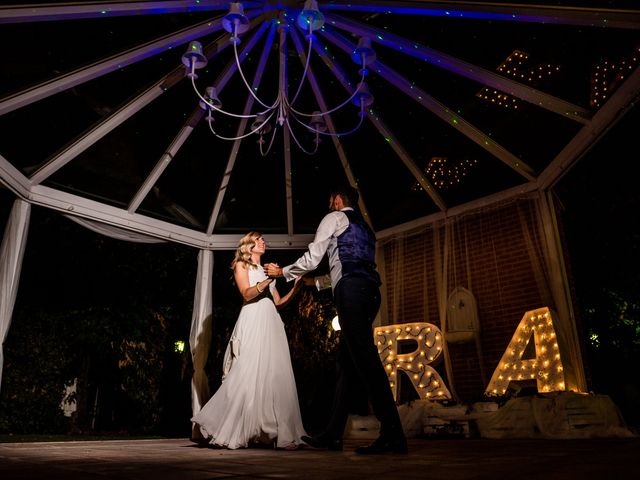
(357, 249)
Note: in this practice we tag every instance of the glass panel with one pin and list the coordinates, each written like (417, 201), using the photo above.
(551, 58)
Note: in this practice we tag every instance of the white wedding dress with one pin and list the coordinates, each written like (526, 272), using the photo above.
(257, 401)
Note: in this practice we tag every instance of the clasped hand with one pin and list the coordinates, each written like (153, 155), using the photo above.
(272, 270)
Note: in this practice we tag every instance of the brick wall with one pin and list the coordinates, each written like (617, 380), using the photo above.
(501, 275)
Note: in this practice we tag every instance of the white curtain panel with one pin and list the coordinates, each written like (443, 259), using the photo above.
(450, 266)
(442, 249)
(566, 330)
(114, 232)
(200, 336)
(11, 253)
(540, 234)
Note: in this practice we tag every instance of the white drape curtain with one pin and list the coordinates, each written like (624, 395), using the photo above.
(11, 254)
(114, 232)
(409, 259)
(397, 294)
(200, 335)
(442, 255)
(464, 241)
(550, 260)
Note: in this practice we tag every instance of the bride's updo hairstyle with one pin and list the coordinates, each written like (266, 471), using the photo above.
(243, 252)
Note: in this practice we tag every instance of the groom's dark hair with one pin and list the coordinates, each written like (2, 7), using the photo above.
(349, 195)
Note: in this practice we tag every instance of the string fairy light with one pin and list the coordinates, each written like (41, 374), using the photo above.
(607, 75)
(518, 66)
(444, 174)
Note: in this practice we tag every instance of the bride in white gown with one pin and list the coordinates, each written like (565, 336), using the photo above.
(257, 401)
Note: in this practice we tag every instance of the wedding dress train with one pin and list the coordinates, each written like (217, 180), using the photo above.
(257, 401)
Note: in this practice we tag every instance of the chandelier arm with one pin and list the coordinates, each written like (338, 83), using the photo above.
(241, 136)
(225, 75)
(348, 100)
(362, 114)
(273, 136)
(282, 110)
(223, 79)
(306, 69)
(298, 45)
(213, 107)
(333, 66)
(283, 79)
(341, 76)
(344, 161)
(235, 53)
(295, 139)
(233, 155)
(311, 129)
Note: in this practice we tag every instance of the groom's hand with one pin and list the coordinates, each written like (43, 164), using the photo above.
(272, 270)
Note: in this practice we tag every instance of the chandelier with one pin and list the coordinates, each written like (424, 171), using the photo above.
(281, 113)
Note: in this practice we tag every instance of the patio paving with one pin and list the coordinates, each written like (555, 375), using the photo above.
(452, 459)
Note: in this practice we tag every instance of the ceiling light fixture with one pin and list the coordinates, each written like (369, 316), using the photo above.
(278, 114)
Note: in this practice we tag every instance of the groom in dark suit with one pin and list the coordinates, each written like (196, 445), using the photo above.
(349, 243)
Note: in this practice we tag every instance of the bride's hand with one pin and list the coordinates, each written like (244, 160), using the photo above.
(272, 270)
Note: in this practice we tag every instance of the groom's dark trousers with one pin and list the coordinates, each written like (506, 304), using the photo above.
(357, 301)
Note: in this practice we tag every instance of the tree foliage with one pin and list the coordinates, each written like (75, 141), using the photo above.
(603, 238)
(106, 314)
(313, 344)
(613, 322)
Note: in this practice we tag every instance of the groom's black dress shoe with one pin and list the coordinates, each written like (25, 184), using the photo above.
(384, 445)
(334, 445)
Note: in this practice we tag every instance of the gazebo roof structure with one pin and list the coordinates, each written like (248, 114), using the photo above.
(473, 102)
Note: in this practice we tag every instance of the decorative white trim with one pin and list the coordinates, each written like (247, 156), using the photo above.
(13, 178)
(608, 115)
(82, 207)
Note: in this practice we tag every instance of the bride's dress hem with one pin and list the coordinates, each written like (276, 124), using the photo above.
(262, 441)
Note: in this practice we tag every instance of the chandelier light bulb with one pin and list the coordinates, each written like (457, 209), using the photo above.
(235, 22)
(363, 98)
(310, 18)
(317, 122)
(364, 54)
(282, 112)
(194, 58)
(261, 125)
(211, 96)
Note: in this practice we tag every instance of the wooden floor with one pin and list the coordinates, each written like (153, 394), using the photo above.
(429, 459)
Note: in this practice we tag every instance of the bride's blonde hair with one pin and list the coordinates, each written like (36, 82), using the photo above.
(243, 252)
